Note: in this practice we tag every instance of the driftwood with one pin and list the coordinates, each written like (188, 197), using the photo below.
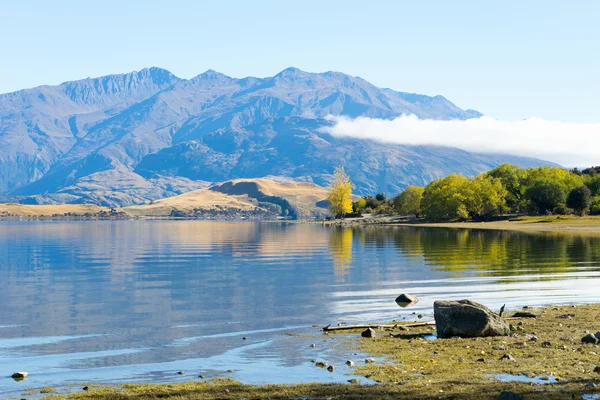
(330, 328)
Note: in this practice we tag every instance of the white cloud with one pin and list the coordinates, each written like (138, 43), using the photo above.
(568, 144)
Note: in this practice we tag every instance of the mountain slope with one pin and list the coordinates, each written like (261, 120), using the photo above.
(296, 199)
(125, 139)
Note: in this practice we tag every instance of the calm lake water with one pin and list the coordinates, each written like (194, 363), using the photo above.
(138, 301)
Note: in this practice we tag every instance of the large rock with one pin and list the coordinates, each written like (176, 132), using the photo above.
(466, 318)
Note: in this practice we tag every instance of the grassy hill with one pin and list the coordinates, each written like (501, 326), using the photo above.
(261, 198)
(300, 199)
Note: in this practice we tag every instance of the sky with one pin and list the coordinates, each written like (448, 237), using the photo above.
(509, 60)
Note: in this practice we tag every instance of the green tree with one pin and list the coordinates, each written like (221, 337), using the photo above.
(513, 179)
(593, 183)
(544, 196)
(595, 206)
(409, 201)
(359, 205)
(484, 196)
(579, 199)
(340, 193)
(443, 199)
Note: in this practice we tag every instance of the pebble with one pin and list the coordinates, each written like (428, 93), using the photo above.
(534, 339)
(510, 396)
(244, 338)
(481, 360)
(507, 357)
(313, 345)
(546, 344)
(321, 364)
(201, 376)
(230, 370)
(180, 372)
(350, 363)
(502, 347)
(20, 375)
(369, 360)
(331, 368)
(86, 388)
(353, 381)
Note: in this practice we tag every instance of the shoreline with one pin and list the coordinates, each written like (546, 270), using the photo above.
(548, 362)
(542, 224)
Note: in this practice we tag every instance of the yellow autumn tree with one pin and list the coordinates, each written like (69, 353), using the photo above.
(340, 193)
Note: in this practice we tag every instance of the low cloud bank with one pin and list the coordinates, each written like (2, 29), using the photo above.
(568, 144)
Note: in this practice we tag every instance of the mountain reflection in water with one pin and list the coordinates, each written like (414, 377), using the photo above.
(139, 300)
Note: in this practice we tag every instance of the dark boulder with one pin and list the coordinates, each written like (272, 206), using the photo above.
(405, 299)
(369, 332)
(590, 339)
(524, 314)
(510, 396)
(466, 318)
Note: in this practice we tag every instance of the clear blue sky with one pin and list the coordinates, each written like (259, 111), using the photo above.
(509, 59)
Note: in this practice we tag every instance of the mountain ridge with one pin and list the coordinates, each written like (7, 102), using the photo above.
(106, 139)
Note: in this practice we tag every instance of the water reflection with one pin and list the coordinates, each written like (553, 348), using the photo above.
(340, 244)
(140, 300)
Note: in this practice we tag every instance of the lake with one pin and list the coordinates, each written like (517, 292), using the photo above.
(136, 301)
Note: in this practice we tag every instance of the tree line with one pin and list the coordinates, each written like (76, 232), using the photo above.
(506, 189)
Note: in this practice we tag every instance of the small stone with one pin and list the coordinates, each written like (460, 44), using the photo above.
(244, 338)
(230, 370)
(86, 388)
(420, 316)
(313, 361)
(589, 339)
(321, 364)
(524, 314)
(180, 372)
(544, 378)
(354, 381)
(201, 376)
(350, 363)
(528, 375)
(481, 360)
(534, 339)
(313, 345)
(546, 345)
(501, 347)
(368, 333)
(331, 368)
(510, 396)
(507, 357)
(369, 360)
(20, 375)
(566, 316)
(406, 299)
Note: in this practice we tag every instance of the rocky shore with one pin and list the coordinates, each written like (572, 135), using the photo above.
(530, 353)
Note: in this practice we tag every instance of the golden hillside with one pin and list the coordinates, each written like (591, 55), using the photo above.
(258, 197)
(301, 199)
(48, 210)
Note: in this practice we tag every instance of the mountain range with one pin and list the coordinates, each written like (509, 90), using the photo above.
(131, 138)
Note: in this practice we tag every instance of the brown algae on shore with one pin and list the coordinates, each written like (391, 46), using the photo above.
(545, 355)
